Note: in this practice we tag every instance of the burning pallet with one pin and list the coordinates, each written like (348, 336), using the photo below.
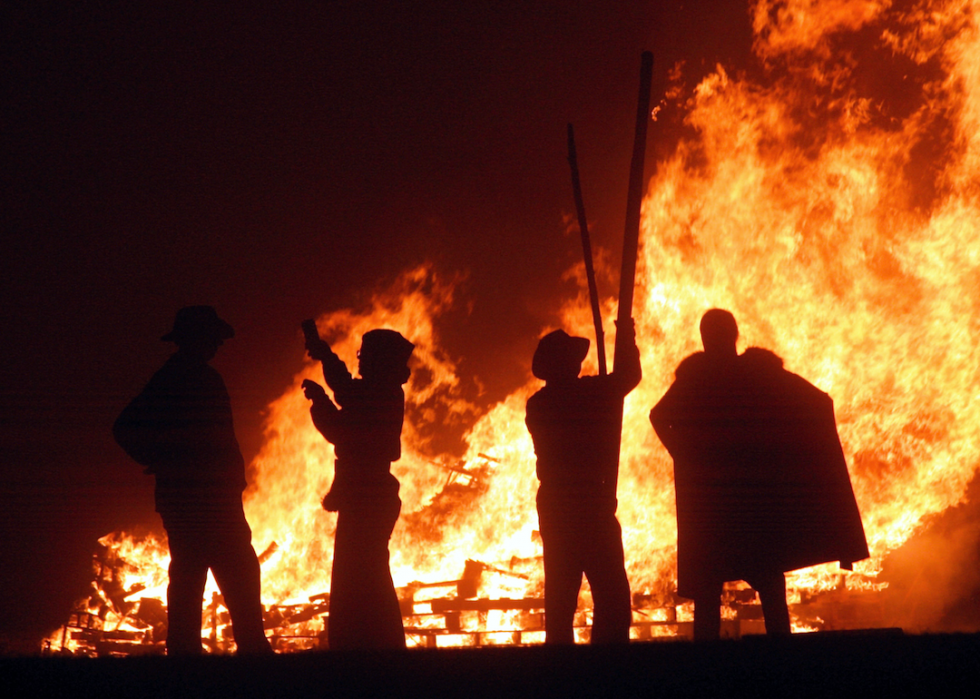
(113, 621)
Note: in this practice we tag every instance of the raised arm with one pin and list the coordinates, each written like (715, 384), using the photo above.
(326, 416)
(335, 372)
(627, 372)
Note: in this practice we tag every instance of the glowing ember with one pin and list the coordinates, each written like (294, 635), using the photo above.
(836, 218)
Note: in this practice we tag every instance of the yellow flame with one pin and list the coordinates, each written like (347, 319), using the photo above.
(841, 232)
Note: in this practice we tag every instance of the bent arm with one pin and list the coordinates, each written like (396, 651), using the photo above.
(336, 375)
(326, 418)
(335, 372)
(627, 373)
(662, 419)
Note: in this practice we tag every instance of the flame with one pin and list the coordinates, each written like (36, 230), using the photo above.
(811, 241)
(836, 218)
(294, 468)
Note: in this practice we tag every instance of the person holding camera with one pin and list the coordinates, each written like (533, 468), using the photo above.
(364, 425)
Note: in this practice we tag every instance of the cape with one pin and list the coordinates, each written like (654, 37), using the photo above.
(760, 477)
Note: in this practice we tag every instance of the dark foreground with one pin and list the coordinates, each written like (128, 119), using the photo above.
(813, 665)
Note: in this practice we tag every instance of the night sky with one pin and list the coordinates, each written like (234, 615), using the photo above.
(277, 164)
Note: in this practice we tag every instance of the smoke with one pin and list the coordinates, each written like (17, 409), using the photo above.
(850, 153)
(934, 578)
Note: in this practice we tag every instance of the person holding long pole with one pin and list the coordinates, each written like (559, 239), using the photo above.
(576, 423)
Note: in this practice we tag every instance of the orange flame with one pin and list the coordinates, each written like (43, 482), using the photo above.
(839, 225)
(294, 468)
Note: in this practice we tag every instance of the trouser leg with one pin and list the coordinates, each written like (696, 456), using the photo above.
(236, 570)
(707, 613)
(386, 615)
(562, 580)
(185, 594)
(364, 609)
(606, 572)
(561, 587)
(772, 593)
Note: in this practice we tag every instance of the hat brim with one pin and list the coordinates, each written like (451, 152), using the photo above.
(556, 351)
(219, 331)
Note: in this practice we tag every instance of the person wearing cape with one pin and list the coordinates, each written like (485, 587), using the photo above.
(761, 483)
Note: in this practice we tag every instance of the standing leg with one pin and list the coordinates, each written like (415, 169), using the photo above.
(562, 578)
(771, 587)
(236, 570)
(344, 584)
(185, 592)
(707, 613)
(606, 571)
(387, 617)
(364, 609)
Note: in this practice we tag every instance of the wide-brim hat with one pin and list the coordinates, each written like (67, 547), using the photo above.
(387, 344)
(556, 352)
(193, 322)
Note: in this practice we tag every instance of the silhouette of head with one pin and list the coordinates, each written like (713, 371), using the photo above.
(384, 356)
(559, 356)
(199, 330)
(719, 331)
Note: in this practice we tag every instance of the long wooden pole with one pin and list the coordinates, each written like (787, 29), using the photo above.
(634, 199)
(631, 238)
(583, 227)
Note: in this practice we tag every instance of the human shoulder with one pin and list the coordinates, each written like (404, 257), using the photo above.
(762, 362)
(590, 386)
(540, 397)
(179, 375)
(760, 358)
(213, 376)
(173, 373)
(691, 366)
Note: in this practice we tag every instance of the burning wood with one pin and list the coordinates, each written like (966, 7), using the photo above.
(460, 618)
(838, 224)
(470, 475)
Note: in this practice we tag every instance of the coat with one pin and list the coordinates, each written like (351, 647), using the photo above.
(366, 434)
(180, 428)
(576, 426)
(760, 478)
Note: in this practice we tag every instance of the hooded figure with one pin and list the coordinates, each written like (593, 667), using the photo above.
(761, 483)
(365, 428)
(575, 424)
(180, 428)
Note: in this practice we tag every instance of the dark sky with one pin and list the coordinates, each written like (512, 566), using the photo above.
(276, 160)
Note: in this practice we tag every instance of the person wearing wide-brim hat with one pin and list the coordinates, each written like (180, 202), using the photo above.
(198, 322)
(180, 428)
(574, 422)
(365, 428)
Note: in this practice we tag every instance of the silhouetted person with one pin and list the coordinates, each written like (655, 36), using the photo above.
(366, 433)
(180, 428)
(761, 483)
(575, 423)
